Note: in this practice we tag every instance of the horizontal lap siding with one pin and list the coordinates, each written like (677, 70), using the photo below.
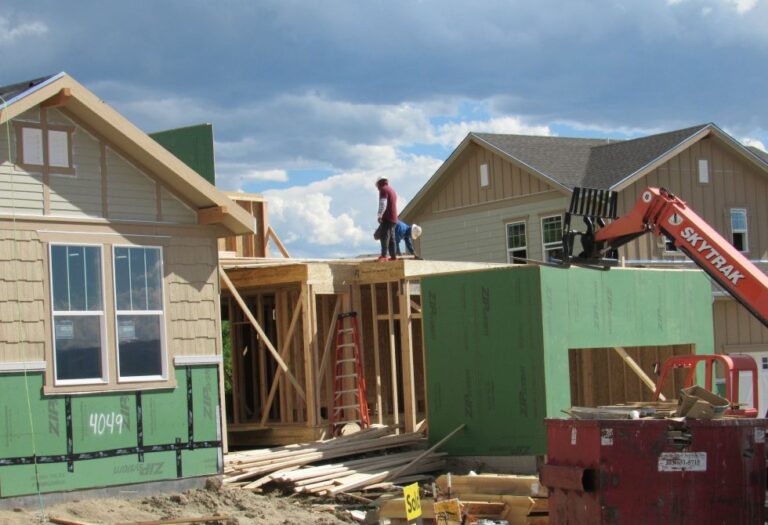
(22, 297)
(20, 192)
(480, 235)
(174, 210)
(130, 193)
(79, 195)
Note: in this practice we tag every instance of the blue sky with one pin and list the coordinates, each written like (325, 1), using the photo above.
(311, 101)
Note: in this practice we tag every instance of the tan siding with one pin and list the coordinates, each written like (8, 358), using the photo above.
(130, 193)
(21, 192)
(734, 325)
(479, 234)
(191, 296)
(79, 195)
(22, 297)
(460, 185)
(174, 210)
(733, 184)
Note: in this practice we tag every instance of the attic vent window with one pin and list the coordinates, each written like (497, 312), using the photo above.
(484, 175)
(703, 171)
(42, 148)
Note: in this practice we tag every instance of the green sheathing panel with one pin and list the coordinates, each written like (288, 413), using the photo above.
(193, 145)
(497, 342)
(105, 439)
(485, 361)
(621, 307)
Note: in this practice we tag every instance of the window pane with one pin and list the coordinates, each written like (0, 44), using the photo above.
(516, 235)
(93, 295)
(78, 346)
(59, 278)
(76, 270)
(738, 241)
(138, 279)
(518, 256)
(738, 220)
(122, 279)
(154, 279)
(553, 229)
(32, 146)
(139, 347)
(58, 148)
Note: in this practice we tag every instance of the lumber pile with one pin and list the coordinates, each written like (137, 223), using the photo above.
(374, 457)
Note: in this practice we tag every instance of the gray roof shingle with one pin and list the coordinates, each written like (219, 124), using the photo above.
(596, 163)
(762, 155)
(13, 90)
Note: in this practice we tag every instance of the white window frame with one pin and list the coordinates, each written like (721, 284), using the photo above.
(104, 379)
(745, 231)
(161, 313)
(510, 258)
(45, 144)
(545, 247)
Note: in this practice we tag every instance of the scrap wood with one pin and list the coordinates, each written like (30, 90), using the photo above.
(500, 484)
(65, 521)
(395, 508)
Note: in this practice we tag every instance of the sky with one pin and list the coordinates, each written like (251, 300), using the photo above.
(312, 101)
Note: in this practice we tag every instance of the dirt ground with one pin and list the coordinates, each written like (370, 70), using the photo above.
(244, 508)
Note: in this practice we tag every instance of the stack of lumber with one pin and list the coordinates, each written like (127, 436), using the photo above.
(368, 458)
(520, 500)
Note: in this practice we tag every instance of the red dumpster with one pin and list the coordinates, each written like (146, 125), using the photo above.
(653, 471)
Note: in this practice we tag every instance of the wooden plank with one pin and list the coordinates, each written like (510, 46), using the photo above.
(265, 276)
(406, 357)
(376, 356)
(58, 100)
(280, 246)
(260, 331)
(286, 345)
(262, 357)
(309, 332)
(212, 215)
(392, 356)
(174, 521)
(632, 364)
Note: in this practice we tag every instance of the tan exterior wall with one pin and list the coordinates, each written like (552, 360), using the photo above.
(460, 186)
(737, 330)
(190, 282)
(129, 192)
(734, 183)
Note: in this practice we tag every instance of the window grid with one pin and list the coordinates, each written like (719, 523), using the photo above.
(517, 245)
(551, 235)
(739, 229)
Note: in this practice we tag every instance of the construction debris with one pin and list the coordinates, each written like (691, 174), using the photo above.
(368, 460)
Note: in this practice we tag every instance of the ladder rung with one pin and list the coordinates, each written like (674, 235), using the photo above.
(357, 407)
(346, 375)
(346, 391)
(346, 329)
(351, 360)
(345, 345)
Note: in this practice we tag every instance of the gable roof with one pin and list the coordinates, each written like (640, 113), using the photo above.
(567, 162)
(116, 129)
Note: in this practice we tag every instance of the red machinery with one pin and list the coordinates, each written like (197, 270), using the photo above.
(732, 365)
(660, 212)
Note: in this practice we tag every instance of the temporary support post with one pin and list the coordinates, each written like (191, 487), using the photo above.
(329, 338)
(631, 363)
(392, 357)
(309, 332)
(406, 356)
(376, 357)
(257, 327)
(283, 351)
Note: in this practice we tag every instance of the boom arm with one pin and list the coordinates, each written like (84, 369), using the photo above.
(663, 214)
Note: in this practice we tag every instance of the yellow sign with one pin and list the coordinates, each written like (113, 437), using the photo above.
(448, 512)
(412, 501)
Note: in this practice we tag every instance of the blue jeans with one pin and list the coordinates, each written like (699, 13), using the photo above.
(386, 233)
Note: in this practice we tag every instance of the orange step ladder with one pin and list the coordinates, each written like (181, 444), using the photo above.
(349, 395)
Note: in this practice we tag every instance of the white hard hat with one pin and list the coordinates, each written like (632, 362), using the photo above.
(415, 231)
(379, 179)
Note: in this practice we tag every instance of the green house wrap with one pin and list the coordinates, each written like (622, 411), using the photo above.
(498, 341)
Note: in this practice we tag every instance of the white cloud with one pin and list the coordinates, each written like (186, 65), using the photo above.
(755, 143)
(453, 133)
(268, 175)
(10, 34)
(742, 6)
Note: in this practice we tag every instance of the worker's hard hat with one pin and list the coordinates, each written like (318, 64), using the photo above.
(415, 231)
(381, 179)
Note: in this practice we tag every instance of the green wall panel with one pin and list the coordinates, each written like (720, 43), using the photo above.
(106, 424)
(497, 342)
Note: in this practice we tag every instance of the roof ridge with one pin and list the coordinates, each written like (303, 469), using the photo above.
(692, 129)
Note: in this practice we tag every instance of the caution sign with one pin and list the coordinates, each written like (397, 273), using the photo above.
(412, 502)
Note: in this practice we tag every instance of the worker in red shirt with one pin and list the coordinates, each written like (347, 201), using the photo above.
(387, 216)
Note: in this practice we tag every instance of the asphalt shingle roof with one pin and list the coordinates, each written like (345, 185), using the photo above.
(760, 153)
(596, 163)
(14, 90)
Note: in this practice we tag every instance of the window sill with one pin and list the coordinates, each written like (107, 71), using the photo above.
(103, 388)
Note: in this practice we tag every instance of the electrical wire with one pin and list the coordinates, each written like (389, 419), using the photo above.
(20, 325)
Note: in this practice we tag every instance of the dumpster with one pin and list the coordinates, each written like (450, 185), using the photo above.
(651, 471)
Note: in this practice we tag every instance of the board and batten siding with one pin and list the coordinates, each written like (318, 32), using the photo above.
(479, 234)
(733, 183)
(23, 315)
(460, 186)
(131, 194)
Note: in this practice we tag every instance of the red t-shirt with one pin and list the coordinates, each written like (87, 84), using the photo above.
(390, 212)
